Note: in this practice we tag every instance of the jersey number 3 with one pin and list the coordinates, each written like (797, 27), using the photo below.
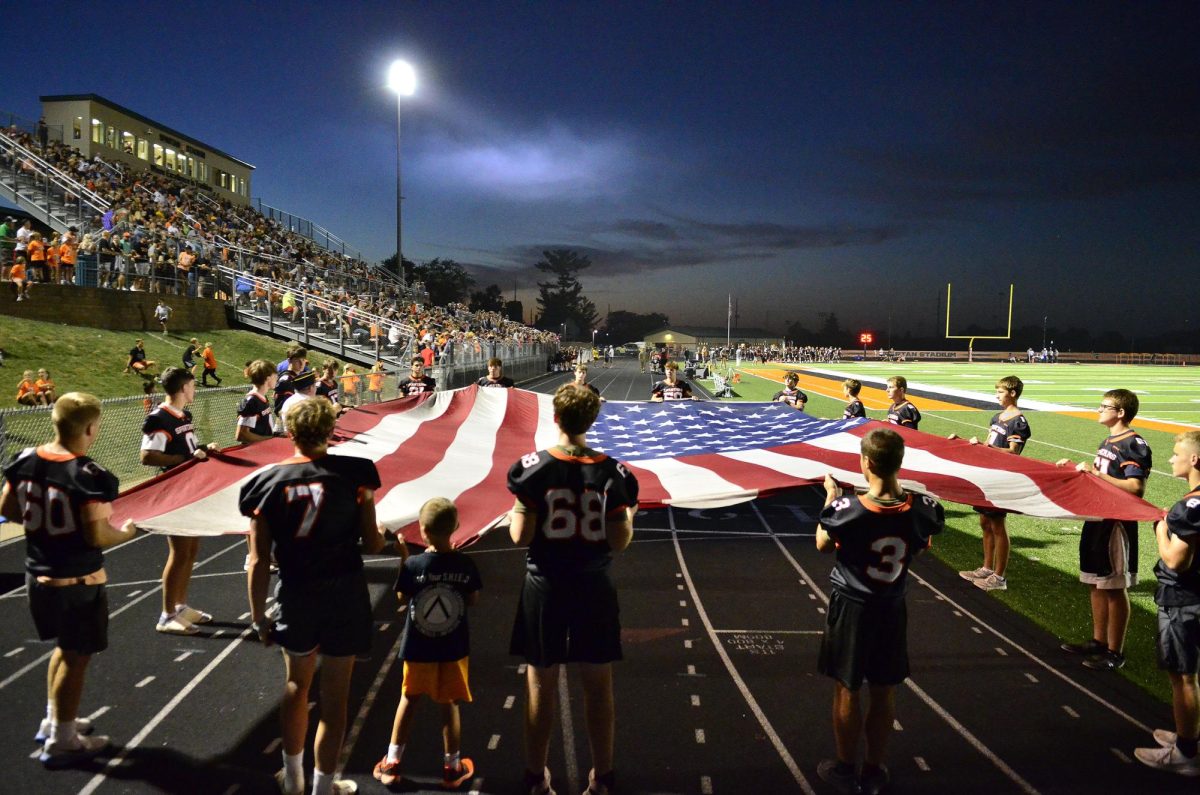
(572, 514)
(892, 551)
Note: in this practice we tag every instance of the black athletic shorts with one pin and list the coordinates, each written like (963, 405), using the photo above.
(1108, 554)
(74, 615)
(331, 616)
(865, 641)
(562, 620)
(1179, 639)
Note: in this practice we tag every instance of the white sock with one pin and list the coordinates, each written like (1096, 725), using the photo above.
(453, 760)
(395, 752)
(322, 783)
(165, 617)
(293, 771)
(179, 607)
(50, 710)
(62, 731)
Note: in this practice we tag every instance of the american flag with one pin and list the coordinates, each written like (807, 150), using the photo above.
(690, 454)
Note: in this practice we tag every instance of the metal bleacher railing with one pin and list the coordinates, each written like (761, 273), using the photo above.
(37, 186)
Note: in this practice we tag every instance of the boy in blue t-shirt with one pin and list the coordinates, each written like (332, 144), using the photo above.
(434, 588)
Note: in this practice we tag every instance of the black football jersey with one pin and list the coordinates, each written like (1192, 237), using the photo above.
(311, 507)
(1002, 433)
(790, 397)
(876, 543)
(680, 390)
(284, 388)
(1177, 588)
(504, 383)
(854, 409)
(254, 412)
(417, 386)
(1124, 456)
(572, 496)
(905, 414)
(328, 390)
(168, 430)
(56, 493)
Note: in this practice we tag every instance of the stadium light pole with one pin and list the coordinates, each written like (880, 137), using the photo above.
(402, 79)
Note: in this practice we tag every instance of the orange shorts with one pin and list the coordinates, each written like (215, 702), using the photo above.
(17, 272)
(443, 682)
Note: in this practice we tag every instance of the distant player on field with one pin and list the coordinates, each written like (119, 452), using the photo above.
(875, 536)
(1009, 431)
(854, 407)
(902, 411)
(1108, 555)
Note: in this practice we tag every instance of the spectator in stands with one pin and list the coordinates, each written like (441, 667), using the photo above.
(375, 383)
(350, 384)
(426, 353)
(20, 277)
(37, 258)
(68, 252)
(8, 240)
(22, 239)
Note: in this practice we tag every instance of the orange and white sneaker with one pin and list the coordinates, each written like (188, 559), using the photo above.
(453, 779)
(387, 773)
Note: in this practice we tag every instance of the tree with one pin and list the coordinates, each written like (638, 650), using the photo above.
(445, 280)
(515, 311)
(831, 331)
(625, 326)
(389, 264)
(798, 334)
(562, 300)
(487, 300)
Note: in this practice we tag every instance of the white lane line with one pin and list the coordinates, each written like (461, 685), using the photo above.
(30, 666)
(98, 713)
(687, 644)
(153, 723)
(367, 703)
(218, 633)
(14, 652)
(508, 702)
(772, 735)
(977, 630)
(957, 613)
(684, 622)
(493, 742)
(184, 656)
(36, 753)
(273, 746)
(821, 610)
(244, 616)
(145, 681)
(1070, 711)
(769, 631)
(568, 730)
(1031, 678)
(937, 708)
(812, 596)
(695, 701)
(896, 725)
(132, 594)
(521, 669)
(683, 603)
(922, 765)
(691, 670)
(706, 785)
(384, 626)
(700, 736)
(679, 586)
(1121, 755)
(1001, 652)
(1041, 663)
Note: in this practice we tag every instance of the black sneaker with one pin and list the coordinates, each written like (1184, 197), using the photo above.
(846, 782)
(874, 780)
(1105, 661)
(1089, 649)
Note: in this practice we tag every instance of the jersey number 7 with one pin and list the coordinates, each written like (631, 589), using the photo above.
(314, 495)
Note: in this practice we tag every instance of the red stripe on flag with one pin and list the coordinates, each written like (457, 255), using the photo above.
(425, 449)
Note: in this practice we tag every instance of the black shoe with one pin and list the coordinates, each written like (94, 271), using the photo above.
(1089, 649)
(1105, 661)
(874, 780)
(831, 772)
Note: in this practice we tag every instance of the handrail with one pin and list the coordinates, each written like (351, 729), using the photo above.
(53, 174)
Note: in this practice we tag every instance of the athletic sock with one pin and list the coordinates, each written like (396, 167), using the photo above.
(165, 617)
(322, 783)
(395, 752)
(1186, 747)
(452, 760)
(62, 731)
(50, 710)
(293, 771)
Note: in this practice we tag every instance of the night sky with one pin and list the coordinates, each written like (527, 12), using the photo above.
(845, 157)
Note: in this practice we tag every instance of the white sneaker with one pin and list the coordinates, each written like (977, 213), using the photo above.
(72, 752)
(281, 780)
(344, 786)
(1169, 760)
(194, 616)
(1165, 738)
(84, 726)
(980, 573)
(992, 582)
(177, 625)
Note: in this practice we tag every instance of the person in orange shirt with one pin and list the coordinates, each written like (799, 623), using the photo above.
(375, 383)
(187, 274)
(19, 278)
(350, 384)
(66, 256)
(45, 387)
(37, 258)
(210, 365)
(52, 260)
(27, 393)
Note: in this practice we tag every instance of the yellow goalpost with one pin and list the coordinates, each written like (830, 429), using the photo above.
(973, 337)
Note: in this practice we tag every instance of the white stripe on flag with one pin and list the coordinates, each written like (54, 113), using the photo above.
(797, 467)
(212, 514)
(547, 432)
(691, 486)
(466, 461)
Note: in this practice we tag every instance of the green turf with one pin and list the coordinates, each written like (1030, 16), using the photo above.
(1043, 563)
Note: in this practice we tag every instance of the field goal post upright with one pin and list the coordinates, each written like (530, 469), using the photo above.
(972, 337)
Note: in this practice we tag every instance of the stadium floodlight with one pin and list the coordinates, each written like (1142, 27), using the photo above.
(402, 79)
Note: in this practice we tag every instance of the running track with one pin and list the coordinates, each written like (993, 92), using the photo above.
(722, 613)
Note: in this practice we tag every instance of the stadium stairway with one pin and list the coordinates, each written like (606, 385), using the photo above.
(38, 188)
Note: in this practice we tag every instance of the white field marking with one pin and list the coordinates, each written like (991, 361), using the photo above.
(738, 682)
(922, 765)
(691, 670)
(311, 704)
(821, 610)
(685, 622)
(957, 613)
(508, 702)
(769, 631)
(384, 626)
(1001, 651)
(1038, 661)
(700, 736)
(1031, 678)
(158, 581)
(145, 681)
(695, 701)
(679, 586)
(1070, 711)
(521, 669)
(706, 785)
(184, 656)
(977, 630)
(896, 725)
(12, 677)
(132, 594)
(14, 652)
(36, 753)
(812, 596)
(493, 742)
(1121, 755)
(273, 746)
(218, 633)
(937, 708)
(244, 616)
(98, 713)
(692, 533)
(367, 703)
(687, 644)
(568, 730)
(683, 603)
(678, 574)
